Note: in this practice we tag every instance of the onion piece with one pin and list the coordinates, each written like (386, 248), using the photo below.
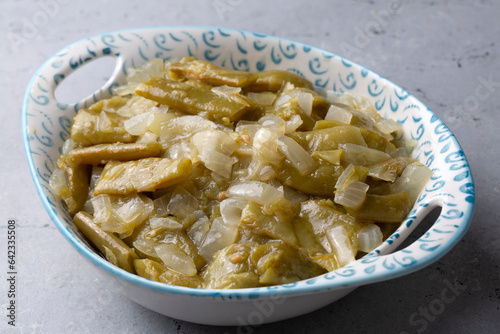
(352, 195)
(147, 137)
(68, 146)
(293, 124)
(226, 90)
(146, 246)
(338, 114)
(157, 119)
(360, 155)
(298, 157)
(413, 180)
(121, 214)
(104, 122)
(214, 150)
(265, 146)
(198, 231)
(264, 98)
(332, 156)
(182, 203)
(138, 105)
(165, 222)
(160, 205)
(388, 127)
(384, 171)
(282, 99)
(94, 177)
(182, 149)
(305, 101)
(58, 182)
(102, 208)
(345, 177)
(273, 123)
(219, 236)
(176, 259)
(341, 244)
(137, 125)
(258, 192)
(230, 210)
(369, 237)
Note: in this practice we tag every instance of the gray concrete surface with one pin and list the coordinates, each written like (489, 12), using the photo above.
(440, 51)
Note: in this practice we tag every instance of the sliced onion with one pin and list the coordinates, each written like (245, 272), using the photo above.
(352, 195)
(219, 236)
(183, 128)
(293, 123)
(332, 156)
(219, 163)
(247, 128)
(258, 192)
(383, 171)
(265, 173)
(360, 155)
(128, 208)
(182, 203)
(157, 119)
(225, 90)
(147, 137)
(388, 127)
(273, 123)
(137, 125)
(369, 237)
(160, 205)
(338, 114)
(265, 145)
(305, 102)
(176, 259)
(264, 98)
(58, 182)
(230, 210)
(68, 146)
(138, 105)
(121, 214)
(182, 149)
(198, 231)
(165, 222)
(298, 157)
(102, 208)
(282, 99)
(413, 180)
(146, 246)
(94, 177)
(345, 177)
(214, 150)
(341, 244)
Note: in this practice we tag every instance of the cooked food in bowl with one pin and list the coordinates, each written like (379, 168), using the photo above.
(199, 176)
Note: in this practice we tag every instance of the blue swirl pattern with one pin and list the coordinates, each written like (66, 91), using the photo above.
(46, 125)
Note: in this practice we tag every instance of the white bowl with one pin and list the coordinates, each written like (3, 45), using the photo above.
(46, 125)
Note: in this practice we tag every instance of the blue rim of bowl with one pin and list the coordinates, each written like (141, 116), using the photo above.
(230, 294)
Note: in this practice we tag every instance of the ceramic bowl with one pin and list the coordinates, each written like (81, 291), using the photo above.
(46, 125)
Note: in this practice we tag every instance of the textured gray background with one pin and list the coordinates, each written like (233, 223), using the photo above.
(443, 52)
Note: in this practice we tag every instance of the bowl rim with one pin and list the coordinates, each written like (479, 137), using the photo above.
(230, 294)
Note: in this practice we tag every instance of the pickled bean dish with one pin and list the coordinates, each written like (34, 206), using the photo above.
(200, 176)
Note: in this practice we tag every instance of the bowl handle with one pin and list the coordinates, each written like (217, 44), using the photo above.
(446, 231)
(71, 59)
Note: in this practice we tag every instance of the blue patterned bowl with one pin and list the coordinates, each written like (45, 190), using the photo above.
(46, 125)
